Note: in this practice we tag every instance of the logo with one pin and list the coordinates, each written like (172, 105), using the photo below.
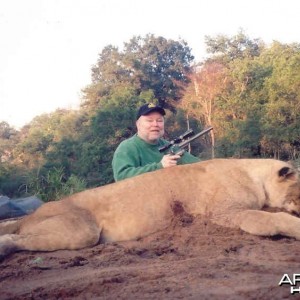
(292, 281)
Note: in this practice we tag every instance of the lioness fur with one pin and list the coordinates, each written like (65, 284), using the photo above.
(231, 192)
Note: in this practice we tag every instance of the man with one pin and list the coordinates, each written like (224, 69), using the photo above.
(140, 153)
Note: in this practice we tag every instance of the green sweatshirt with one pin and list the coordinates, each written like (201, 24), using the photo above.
(134, 156)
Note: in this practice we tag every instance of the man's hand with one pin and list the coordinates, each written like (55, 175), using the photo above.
(169, 160)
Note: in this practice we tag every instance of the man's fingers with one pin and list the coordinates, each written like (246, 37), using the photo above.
(169, 160)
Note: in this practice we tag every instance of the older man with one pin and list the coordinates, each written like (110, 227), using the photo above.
(140, 153)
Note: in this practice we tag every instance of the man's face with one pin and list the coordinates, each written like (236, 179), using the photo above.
(151, 127)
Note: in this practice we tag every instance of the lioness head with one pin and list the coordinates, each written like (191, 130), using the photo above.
(283, 189)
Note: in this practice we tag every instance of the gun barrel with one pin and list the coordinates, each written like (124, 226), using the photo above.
(186, 142)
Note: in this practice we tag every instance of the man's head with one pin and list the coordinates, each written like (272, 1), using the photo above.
(150, 122)
(148, 108)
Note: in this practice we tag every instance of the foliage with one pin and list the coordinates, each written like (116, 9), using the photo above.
(11, 178)
(146, 64)
(53, 185)
(207, 84)
(258, 112)
(108, 128)
(282, 115)
(227, 49)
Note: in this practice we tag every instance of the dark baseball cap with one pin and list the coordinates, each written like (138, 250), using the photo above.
(148, 108)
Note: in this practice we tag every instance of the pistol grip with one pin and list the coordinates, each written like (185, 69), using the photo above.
(178, 152)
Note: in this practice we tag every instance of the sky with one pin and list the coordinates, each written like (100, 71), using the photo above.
(47, 47)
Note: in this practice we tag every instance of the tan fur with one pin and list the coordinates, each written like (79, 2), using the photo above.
(231, 192)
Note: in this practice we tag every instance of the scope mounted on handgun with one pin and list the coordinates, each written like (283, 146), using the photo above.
(177, 140)
(177, 145)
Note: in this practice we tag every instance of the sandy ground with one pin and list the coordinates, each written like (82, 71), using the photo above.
(191, 259)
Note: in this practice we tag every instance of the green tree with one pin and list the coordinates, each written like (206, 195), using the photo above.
(146, 64)
(160, 65)
(241, 105)
(239, 46)
(207, 84)
(9, 138)
(53, 185)
(281, 121)
(109, 127)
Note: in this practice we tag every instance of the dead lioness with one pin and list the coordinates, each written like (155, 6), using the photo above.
(231, 192)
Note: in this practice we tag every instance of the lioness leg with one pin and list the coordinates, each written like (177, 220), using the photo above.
(268, 224)
(64, 231)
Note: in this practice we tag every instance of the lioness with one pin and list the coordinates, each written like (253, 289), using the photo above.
(231, 192)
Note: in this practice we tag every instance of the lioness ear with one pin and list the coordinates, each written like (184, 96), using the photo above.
(287, 173)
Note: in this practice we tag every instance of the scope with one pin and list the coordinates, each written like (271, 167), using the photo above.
(177, 140)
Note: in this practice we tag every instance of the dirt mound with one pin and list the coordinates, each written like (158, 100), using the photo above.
(191, 259)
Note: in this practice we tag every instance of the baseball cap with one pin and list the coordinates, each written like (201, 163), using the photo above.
(148, 108)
